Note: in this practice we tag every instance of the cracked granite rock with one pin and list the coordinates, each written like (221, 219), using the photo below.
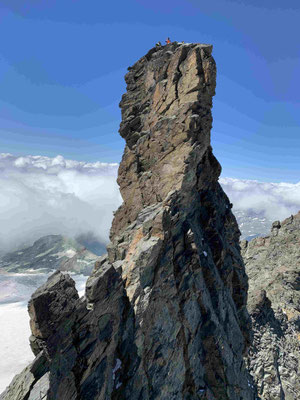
(164, 315)
(273, 267)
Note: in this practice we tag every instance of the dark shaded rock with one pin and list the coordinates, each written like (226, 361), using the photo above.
(258, 303)
(50, 306)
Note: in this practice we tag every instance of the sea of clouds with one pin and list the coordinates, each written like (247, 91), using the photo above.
(275, 201)
(41, 195)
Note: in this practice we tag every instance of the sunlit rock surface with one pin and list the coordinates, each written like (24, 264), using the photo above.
(164, 316)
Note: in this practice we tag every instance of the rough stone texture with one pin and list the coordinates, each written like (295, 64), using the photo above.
(50, 306)
(164, 315)
(166, 110)
(273, 267)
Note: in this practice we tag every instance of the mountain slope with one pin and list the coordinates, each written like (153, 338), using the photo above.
(273, 267)
(49, 253)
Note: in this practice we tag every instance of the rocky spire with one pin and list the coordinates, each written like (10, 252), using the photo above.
(166, 117)
(164, 315)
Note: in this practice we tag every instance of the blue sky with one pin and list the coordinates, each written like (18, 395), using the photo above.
(62, 65)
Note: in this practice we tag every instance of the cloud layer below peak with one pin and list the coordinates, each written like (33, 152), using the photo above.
(42, 195)
(274, 201)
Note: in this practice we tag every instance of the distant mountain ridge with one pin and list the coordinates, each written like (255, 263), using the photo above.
(49, 253)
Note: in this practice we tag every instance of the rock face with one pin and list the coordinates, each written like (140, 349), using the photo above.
(273, 267)
(49, 253)
(164, 316)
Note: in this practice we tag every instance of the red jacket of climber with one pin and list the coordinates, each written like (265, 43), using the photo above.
(168, 41)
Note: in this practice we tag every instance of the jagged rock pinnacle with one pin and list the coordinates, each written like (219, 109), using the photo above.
(165, 311)
(166, 113)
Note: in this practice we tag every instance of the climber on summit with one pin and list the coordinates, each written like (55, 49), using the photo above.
(168, 41)
(158, 44)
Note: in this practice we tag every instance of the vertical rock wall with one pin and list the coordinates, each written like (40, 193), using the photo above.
(165, 311)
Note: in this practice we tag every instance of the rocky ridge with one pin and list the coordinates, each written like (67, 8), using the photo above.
(164, 315)
(49, 253)
(273, 266)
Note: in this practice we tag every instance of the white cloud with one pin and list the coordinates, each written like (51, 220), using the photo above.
(271, 200)
(41, 195)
